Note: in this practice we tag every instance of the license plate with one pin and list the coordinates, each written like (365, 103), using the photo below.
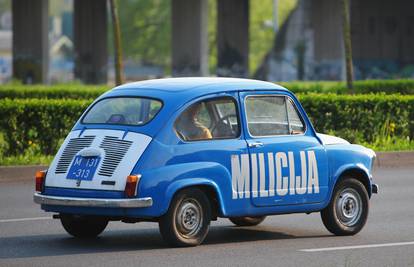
(83, 168)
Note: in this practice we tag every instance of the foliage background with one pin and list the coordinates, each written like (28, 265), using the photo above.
(146, 30)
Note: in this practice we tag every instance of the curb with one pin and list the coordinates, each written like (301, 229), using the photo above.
(19, 173)
(395, 159)
(384, 159)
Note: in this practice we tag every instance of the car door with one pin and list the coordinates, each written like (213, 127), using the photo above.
(288, 164)
(219, 150)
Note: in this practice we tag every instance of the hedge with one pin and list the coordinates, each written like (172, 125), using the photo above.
(71, 91)
(405, 87)
(35, 122)
(361, 118)
(358, 118)
(75, 91)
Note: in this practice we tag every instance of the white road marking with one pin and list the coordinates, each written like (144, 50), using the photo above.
(360, 246)
(25, 219)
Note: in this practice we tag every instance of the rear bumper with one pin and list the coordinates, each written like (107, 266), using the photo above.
(92, 202)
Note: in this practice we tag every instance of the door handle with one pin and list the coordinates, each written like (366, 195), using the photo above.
(255, 144)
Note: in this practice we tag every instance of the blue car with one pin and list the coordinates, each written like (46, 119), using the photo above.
(185, 151)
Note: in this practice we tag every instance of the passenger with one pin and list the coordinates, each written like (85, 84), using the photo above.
(188, 126)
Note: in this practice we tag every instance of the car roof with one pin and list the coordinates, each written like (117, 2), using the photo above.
(187, 88)
(176, 93)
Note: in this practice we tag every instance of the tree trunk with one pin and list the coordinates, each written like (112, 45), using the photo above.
(346, 31)
(119, 79)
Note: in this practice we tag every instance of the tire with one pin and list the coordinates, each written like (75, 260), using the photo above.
(83, 226)
(187, 220)
(348, 209)
(247, 221)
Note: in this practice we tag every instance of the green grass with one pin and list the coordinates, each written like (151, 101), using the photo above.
(26, 160)
(389, 143)
(385, 140)
(393, 145)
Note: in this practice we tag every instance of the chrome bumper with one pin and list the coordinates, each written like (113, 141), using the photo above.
(93, 202)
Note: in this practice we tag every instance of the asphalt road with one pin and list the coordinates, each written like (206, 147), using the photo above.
(29, 237)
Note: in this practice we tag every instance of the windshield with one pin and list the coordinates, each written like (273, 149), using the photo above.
(123, 111)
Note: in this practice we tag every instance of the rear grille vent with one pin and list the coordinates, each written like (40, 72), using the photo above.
(115, 150)
(74, 146)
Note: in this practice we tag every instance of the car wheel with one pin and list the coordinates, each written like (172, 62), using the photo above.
(348, 209)
(247, 221)
(187, 220)
(83, 226)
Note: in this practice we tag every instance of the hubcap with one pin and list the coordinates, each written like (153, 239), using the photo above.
(349, 207)
(189, 218)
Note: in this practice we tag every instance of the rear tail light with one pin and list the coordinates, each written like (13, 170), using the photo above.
(40, 180)
(131, 185)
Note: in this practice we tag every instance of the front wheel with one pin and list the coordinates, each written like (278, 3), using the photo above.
(187, 220)
(83, 226)
(348, 210)
(247, 221)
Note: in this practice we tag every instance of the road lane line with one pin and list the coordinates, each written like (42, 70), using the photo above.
(25, 219)
(360, 246)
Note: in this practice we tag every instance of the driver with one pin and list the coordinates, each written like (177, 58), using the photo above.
(189, 127)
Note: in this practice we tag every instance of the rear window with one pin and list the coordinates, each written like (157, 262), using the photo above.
(123, 111)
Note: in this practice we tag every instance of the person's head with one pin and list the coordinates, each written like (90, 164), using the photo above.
(193, 111)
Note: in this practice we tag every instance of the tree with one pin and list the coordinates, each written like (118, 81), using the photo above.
(346, 32)
(146, 31)
(117, 44)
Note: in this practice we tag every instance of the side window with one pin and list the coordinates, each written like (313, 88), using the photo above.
(295, 121)
(266, 115)
(272, 115)
(209, 119)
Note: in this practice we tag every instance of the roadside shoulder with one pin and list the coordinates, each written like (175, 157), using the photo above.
(19, 173)
(395, 159)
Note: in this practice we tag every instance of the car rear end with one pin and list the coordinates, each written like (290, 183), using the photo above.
(93, 171)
